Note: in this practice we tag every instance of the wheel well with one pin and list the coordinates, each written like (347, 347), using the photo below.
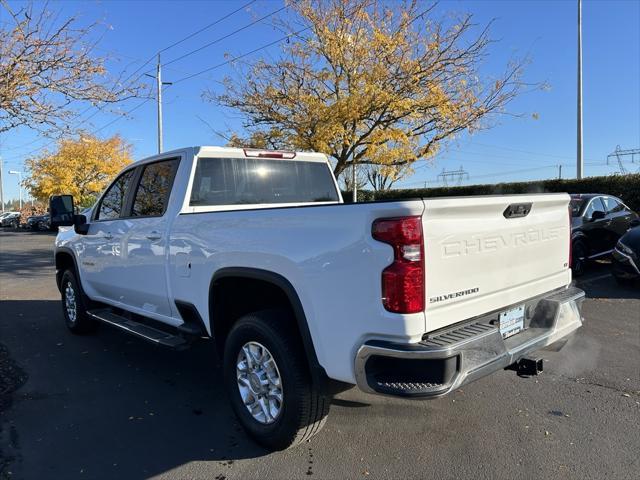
(64, 261)
(234, 292)
(232, 297)
(582, 239)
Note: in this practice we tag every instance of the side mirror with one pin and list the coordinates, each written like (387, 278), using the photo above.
(61, 210)
(598, 215)
(80, 224)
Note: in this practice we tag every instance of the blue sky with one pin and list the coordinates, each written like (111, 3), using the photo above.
(517, 148)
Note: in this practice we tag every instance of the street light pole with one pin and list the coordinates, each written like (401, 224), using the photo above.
(16, 172)
(579, 166)
(1, 191)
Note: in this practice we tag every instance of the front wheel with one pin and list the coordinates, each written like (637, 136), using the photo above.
(268, 381)
(74, 305)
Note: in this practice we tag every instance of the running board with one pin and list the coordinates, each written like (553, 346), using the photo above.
(138, 329)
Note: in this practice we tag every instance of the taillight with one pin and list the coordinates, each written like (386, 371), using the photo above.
(570, 241)
(255, 153)
(403, 280)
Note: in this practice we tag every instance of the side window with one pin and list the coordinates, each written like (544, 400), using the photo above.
(595, 205)
(152, 194)
(113, 200)
(613, 205)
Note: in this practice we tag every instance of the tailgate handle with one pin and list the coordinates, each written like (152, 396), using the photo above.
(516, 210)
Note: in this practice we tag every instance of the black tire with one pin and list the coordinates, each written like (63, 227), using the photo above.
(79, 322)
(579, 254)
(304, 408)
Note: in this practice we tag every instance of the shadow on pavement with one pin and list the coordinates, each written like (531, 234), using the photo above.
(99, 405)
(26, 262)
(598, 282)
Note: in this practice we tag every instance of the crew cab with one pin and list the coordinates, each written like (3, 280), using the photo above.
(303, 294)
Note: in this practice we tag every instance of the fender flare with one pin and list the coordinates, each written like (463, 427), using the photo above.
(69, 252)
(318, 373)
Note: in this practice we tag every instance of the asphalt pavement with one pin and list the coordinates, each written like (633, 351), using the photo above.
(108, 406)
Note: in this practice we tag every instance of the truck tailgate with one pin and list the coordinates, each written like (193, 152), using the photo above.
(481, 257)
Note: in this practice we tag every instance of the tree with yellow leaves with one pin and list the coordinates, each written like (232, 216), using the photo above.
(370, 84)
(81, 167)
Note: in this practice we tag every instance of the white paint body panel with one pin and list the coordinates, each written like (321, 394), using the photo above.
(328, 255)
(469, 245)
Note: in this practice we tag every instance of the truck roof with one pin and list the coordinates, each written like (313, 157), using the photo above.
(231, 152)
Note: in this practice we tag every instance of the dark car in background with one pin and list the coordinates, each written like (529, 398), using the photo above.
(626, 257)
(597, 223)
(39, 222)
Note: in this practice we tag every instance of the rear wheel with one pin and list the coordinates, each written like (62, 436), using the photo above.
(578, 258)
(268, 381)
(74, 305)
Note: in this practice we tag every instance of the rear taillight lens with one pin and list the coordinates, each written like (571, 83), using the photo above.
(403, 280)
(570, 241)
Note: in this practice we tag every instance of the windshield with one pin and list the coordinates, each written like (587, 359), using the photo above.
(575, 206)
(247, 181)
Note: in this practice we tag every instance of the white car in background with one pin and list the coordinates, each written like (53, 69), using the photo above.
(10, 219)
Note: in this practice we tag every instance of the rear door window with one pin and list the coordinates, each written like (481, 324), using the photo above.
(154, 188)
(113, 200)
(613, 205)
(250, 181)
(595, 205)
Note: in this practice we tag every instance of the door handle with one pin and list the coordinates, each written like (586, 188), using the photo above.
(108, 236)
(154, 235)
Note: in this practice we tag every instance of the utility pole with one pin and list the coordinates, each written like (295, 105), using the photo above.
(1, 191)
(159, 85)
(559, 172)
(458, 175)
(618, 153)
(16, 172)
(579, 166)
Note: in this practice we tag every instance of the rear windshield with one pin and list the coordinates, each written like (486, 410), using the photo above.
(246, 181)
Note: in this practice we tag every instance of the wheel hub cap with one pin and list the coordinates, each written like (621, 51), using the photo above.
(70, 302)
(259, 382)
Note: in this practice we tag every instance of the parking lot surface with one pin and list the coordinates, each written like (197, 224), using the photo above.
(111, 406)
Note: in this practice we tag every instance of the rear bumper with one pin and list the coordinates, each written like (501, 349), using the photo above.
(452, 357)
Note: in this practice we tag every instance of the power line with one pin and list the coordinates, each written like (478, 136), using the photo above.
(99, 109)
(191, 35)
(224, 37)
(240, 56)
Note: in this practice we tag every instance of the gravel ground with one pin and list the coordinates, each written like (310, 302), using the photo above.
(110, 406)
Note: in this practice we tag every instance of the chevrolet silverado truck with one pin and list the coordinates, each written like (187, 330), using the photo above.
(303, 294)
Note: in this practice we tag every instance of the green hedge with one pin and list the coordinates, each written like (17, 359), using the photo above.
(625, 187)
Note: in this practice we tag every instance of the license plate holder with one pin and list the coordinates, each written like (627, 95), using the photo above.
(511, 321)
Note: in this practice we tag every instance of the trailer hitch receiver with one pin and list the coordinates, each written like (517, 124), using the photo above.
(527, 367)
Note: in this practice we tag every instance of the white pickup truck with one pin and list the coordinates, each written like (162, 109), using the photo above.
(301, 292)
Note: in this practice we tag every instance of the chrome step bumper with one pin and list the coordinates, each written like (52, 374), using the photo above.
(452, 357)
